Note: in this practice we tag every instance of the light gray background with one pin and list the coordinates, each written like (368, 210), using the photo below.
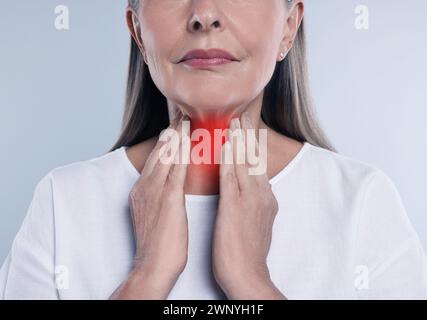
(62, 92)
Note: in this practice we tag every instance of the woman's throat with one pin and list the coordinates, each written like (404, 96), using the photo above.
(204, 149)
(207, 138)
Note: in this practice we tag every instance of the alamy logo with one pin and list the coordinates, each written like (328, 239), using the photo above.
(201, 153)
(62, 277)
(361, 282)
(362, 18)
(62, 18)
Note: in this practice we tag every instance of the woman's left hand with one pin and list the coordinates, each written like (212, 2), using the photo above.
(243, 230)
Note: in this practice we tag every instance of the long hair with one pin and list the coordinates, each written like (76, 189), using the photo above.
(286, 107)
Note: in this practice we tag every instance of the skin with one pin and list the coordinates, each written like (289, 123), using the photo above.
(255, 32)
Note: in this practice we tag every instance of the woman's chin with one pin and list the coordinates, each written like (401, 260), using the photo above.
(214, 97)
(210, 109)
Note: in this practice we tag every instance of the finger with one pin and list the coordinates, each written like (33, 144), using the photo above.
(228, 185)
(168, 155)
(256, 160)
(154, 155)
(175, 114)
(239, 158)
(178, 172)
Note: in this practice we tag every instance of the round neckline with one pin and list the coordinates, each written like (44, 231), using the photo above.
(212, 197)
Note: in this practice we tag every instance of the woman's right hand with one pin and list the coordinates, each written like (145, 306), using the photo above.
(157, 203)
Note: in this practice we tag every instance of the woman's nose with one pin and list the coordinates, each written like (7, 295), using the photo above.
(205, 16)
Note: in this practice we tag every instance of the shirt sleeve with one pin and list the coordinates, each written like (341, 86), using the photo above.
(28, 271)
(389, 255)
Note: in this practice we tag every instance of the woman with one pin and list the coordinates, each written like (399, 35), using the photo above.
(128, 225)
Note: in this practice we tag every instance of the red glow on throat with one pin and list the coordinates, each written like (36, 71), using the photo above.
(217, 129)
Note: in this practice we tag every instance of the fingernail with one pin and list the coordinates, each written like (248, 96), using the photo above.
(247, 117)
(234, 124)
(162, 134)
(226, 145)
(239, 129)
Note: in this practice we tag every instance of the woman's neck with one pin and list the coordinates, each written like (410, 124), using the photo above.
(204, 180)
(207, 137)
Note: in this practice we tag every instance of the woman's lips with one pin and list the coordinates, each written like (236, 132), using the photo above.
(206, 58)
(206, 62)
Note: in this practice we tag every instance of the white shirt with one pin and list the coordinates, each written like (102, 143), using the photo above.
(341, 233)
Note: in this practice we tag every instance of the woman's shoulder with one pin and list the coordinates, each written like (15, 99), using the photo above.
(344, 166)
(360, 183)
(98, 167)
(344, 173)
(120, 163)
